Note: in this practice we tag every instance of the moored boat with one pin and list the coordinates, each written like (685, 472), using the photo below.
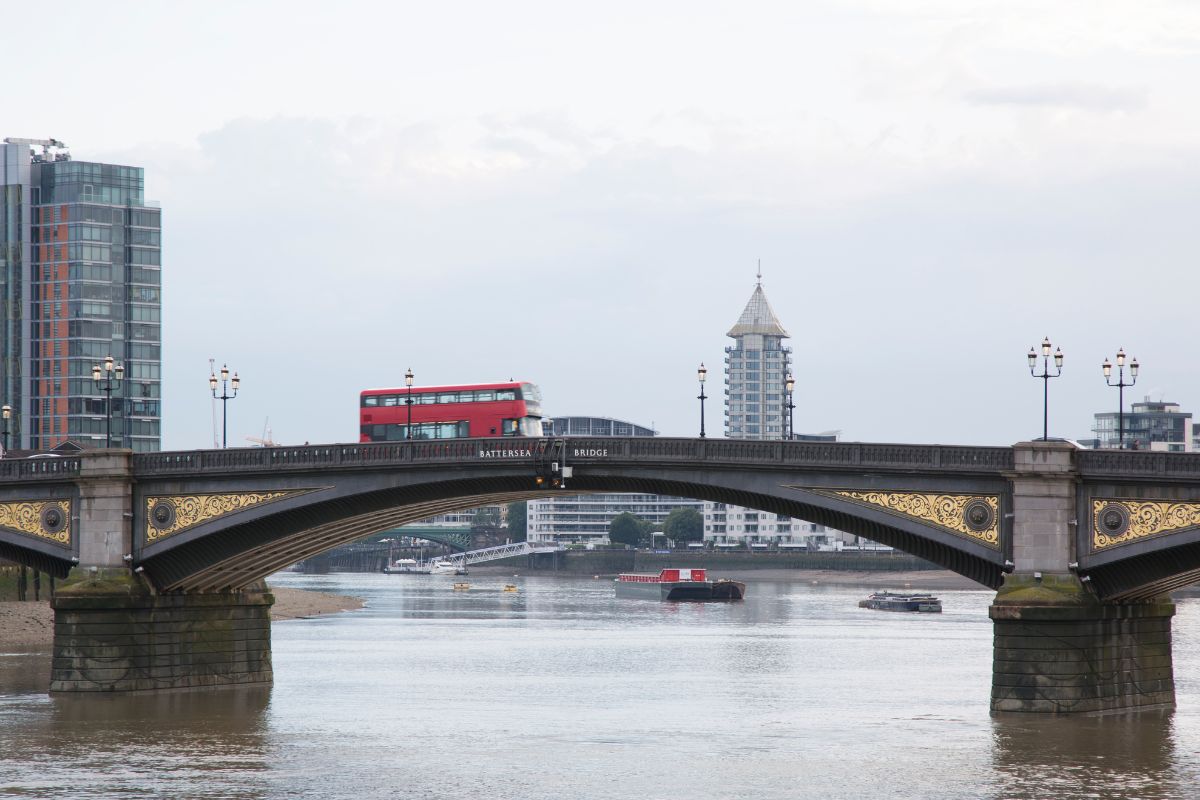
(406, 566)
(677, 584)
(893, 601)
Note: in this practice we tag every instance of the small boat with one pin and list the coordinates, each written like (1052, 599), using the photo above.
(678, 584)
(461, 587)
(443, 567)
(509, 587)
(406, 566)
(891, 601)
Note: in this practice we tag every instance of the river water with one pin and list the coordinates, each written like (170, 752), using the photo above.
(559, 690)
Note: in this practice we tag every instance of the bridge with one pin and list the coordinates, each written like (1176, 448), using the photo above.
(165, 553)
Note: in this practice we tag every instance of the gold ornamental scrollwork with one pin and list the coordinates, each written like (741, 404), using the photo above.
(974, 516)
(45, 519)
(1117, 522)
(167, 515)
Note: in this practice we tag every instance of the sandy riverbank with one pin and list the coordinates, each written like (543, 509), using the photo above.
(31, 623)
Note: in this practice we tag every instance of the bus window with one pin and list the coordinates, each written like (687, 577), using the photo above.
(370, 400)
(485, 396)
(389, 400)
(531, 426)
(506, 394)
(451, 397)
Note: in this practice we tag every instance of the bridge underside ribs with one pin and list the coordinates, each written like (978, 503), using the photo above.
(58, 567)
(1148, 575)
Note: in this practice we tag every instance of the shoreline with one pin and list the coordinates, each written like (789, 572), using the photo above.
(868, 579)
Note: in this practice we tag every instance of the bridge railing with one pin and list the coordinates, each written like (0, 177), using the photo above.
(48, 468)
(579, 450)
(1135, 463)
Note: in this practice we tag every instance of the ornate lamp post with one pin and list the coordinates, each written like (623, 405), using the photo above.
(701, 374)
(1120, 384)
(1046, 376)
(790, 386)
(106, 380)
(224, 396)
(7, 412)
(408, 381)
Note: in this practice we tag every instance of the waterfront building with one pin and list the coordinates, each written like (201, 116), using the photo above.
(1149, 425)
(584, 519)
(80, 280)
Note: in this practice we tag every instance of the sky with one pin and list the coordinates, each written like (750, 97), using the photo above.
(580, 195)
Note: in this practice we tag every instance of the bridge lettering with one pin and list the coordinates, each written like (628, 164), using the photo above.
(585, 453)
(505, 453)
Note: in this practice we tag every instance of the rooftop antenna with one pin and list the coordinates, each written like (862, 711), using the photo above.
(760, 272)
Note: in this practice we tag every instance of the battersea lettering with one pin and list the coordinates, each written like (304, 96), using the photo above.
(505, 453)
(585, 453)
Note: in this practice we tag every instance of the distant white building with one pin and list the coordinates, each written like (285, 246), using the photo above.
(584, 519)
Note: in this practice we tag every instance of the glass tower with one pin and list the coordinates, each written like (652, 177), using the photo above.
(80, 255)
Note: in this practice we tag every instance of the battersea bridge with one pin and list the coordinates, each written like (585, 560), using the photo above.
(164, 555)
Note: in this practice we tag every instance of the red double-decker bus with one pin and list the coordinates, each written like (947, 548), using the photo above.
(513, 408)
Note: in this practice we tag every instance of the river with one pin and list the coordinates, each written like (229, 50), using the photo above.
(559, 690)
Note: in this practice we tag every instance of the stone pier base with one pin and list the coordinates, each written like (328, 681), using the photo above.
(112, 635)
(1058, 651)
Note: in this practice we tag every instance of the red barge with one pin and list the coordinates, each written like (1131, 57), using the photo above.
(678, 584)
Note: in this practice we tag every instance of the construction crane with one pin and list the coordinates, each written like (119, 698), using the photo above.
(265, 441)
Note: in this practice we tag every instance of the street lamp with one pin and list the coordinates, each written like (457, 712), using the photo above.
(408, 381)
(701, 374)
(225, 396)
(7, 412)
(790, 386)
(106, 380)
(1120, 384)
(1046, 376)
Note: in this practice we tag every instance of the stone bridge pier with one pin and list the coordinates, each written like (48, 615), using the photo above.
(1058, 649)
(114, 633)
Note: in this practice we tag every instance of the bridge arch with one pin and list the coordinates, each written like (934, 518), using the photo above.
(225, 528)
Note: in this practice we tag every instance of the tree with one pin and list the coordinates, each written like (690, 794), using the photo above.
(627, 528)
(684, 525)
(517, 525)
(486, 518)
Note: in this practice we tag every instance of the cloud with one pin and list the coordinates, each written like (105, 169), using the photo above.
(1081, 96)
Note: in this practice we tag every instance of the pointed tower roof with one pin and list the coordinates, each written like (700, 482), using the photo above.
(758, 317)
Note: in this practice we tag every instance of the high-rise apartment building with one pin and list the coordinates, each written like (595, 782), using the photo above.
(80, 280)
(756, 369)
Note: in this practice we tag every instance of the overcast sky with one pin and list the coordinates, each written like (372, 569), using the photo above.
(580, 197)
